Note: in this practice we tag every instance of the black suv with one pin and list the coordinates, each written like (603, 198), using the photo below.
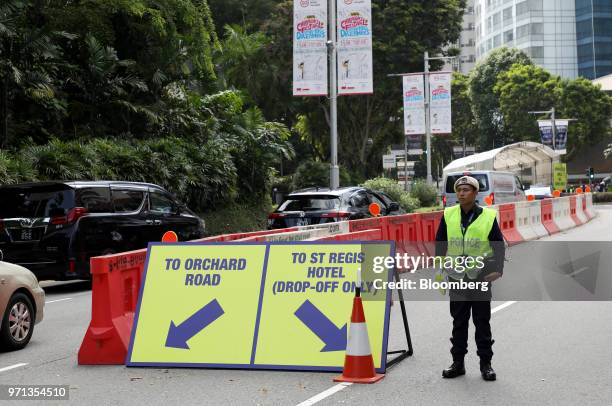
(53, 228)
(322, 205)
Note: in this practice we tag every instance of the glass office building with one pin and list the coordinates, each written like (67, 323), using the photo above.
(594, 37)
(544, 29)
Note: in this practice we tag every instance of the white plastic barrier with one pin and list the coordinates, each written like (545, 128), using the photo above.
(590, 210)
(341, 227)
(291, 236)
(535, 218)
(523, 221)
(561, 213)
(579, 212)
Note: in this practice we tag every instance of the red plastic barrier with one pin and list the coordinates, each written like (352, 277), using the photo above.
(547, 216)
(573, 214)
(374, 223)
(114, 294)
(507, 220)
(406, 231)
(429, 227)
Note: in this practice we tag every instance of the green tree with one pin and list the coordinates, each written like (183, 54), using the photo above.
(485, 103)
(521, 89)
(590, 106)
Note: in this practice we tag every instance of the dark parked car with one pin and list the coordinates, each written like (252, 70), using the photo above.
(53, 228)
(322, 205)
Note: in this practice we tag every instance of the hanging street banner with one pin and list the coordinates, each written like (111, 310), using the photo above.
(257, 305)
(440, 100)
(310, 48)
(546, 134)
(355, 74)
(561, 138)
(414, 105)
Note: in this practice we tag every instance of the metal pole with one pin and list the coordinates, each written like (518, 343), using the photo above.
(427, 119)
(405, 163)
(334, 182)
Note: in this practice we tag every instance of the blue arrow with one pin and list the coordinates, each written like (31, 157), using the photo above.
(179, 335)
(333, 337)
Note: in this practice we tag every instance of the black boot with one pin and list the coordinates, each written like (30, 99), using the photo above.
(487, 372)
(456, 369)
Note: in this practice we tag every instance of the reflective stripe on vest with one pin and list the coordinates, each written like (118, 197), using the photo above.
(475, 241)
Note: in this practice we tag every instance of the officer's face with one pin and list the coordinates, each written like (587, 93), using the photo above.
(466, 194)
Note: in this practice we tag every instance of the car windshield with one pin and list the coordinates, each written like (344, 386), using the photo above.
(310, 203)
(481, 178)
(31, 202)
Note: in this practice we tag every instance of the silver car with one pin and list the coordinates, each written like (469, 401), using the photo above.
(22, 302)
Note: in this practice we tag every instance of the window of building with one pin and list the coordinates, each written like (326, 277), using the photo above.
(508, 36)
(497, 41)
(507, 15)
(522, 8)
(535, 52)
(496, 19)
(522, 31)
(536, 28)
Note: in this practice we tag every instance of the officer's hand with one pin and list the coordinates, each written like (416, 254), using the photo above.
(493, 276)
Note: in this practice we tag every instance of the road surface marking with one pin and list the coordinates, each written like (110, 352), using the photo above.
(502, 306)
(335, 389)
(325, 394)
(13, 367)
(59, 300)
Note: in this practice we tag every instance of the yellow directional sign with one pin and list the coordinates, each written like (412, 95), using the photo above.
(198, 305)
(267, 306)
(560, 176)
(307, 303)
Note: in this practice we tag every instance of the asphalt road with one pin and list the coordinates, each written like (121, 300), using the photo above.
(545, 353)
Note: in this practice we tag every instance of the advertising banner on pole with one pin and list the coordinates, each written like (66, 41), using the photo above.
(546, 132)
(561, 136)
(440, 99)
(560, 176)
(414, 105)
(355, 47)
(310, 48)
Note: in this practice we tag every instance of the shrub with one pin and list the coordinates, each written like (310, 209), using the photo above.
(395, 192)
(426, 194)
(602, 197)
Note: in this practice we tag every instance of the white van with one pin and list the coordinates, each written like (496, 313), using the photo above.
(502, 187)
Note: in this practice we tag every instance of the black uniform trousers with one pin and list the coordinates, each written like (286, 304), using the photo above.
(480, 311)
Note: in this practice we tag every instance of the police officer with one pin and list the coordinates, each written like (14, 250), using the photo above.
(466, 230)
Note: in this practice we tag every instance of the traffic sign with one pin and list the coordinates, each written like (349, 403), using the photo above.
(261, 306)
(560, 176)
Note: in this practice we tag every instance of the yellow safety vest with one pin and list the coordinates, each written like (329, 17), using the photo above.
(471, 242)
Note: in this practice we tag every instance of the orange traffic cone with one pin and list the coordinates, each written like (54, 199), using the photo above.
(358, 361)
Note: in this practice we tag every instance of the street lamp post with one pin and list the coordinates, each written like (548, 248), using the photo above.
(334, 181)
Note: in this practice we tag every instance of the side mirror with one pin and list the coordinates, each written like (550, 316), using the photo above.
(394, 206)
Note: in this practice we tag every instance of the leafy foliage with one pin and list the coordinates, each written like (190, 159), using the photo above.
(395, 192)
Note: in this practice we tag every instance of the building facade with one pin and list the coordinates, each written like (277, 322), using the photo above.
(544, 29)
(466, 43)
(594, 37)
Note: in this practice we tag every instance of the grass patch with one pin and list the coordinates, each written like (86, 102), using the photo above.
(237, 218)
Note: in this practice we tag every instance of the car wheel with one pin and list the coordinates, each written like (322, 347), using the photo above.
(17, 323)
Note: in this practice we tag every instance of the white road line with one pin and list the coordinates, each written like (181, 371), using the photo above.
(59, 300)
(502, 306)
(335, 389)
(13, 367)
(325, 394)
